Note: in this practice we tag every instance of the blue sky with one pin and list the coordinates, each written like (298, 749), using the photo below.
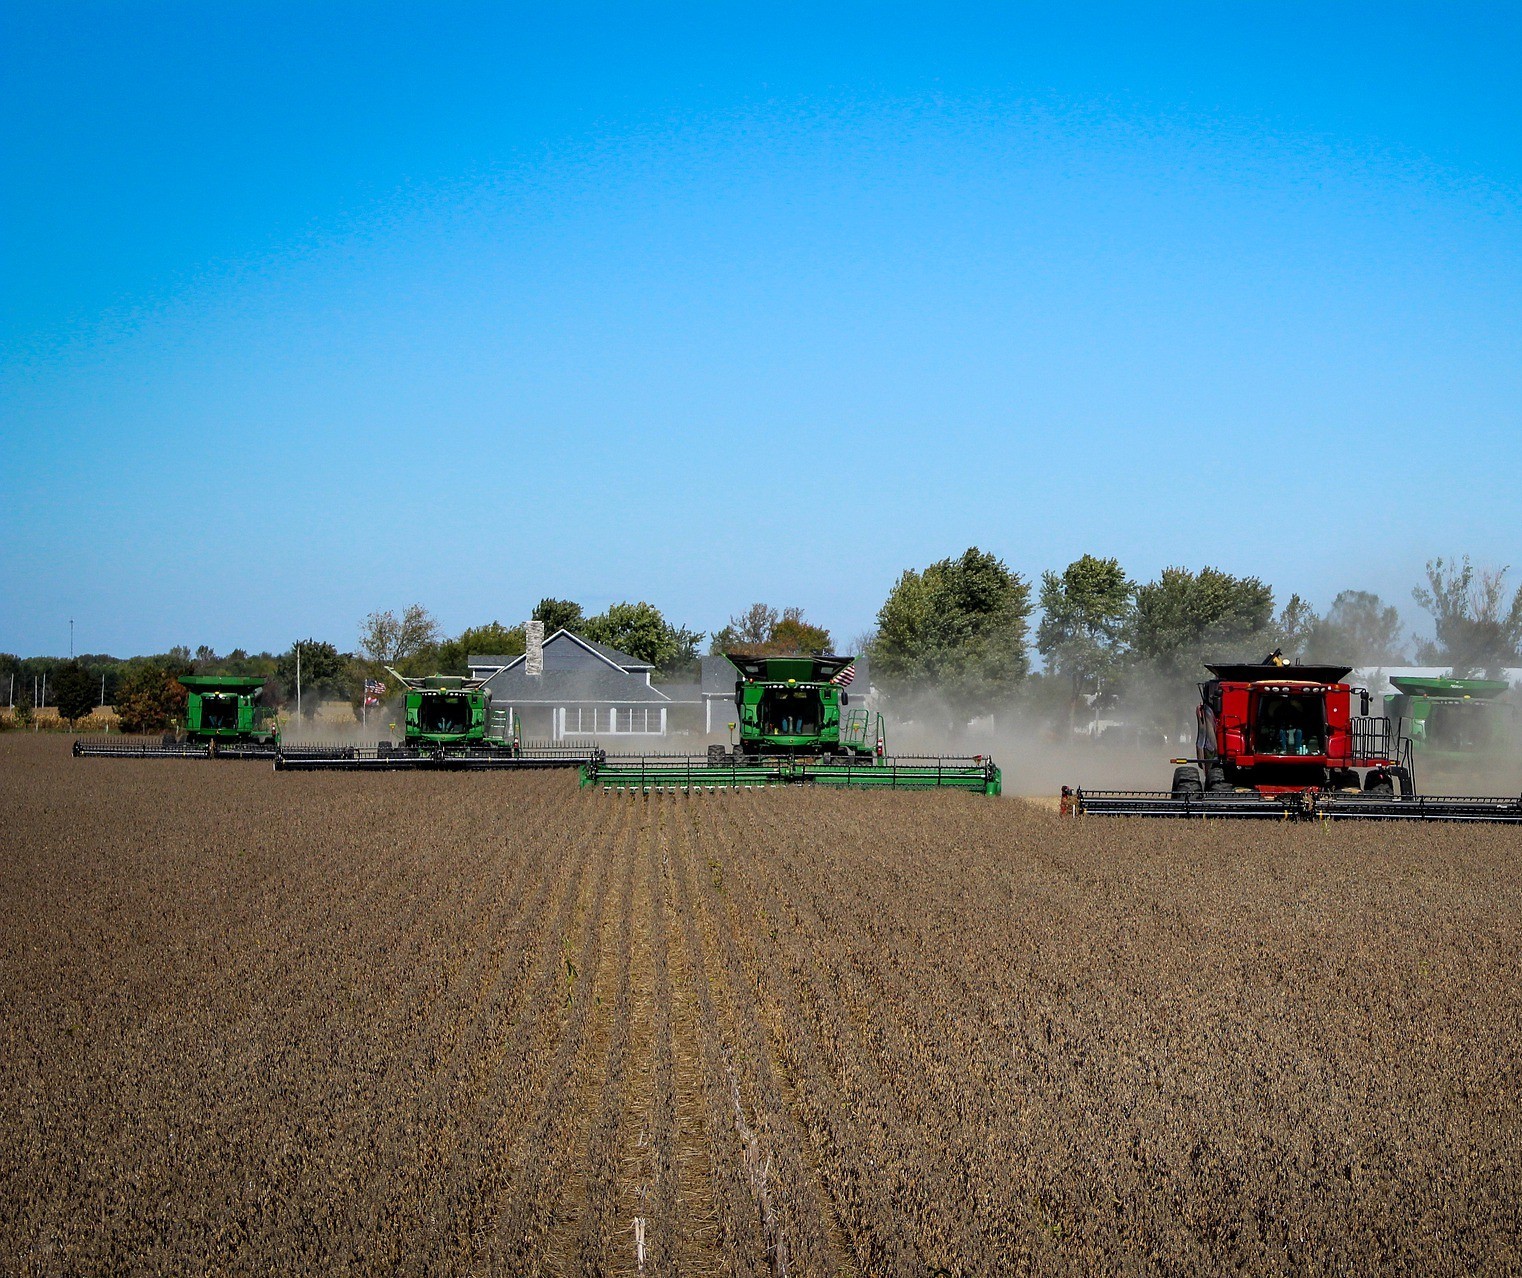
(312, 310)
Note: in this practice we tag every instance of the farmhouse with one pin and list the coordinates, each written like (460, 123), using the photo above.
(578, 689)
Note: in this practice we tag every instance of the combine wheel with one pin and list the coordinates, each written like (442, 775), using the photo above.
(1215, 778)
(169, 740)
(715, 756)
(1342, 779)
(1378, 782)
(1187, 783)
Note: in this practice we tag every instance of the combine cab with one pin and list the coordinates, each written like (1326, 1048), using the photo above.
(448, 723)
(795, 727)
(223, 720)
(1277, 740)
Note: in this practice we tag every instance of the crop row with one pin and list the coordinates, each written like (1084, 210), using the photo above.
(482, 1025)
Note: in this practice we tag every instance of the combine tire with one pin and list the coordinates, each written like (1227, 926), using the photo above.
(1343, 779)
(1378, 782)
(1187, 783)
(169, 740)
(1215, 778)
(715, 756)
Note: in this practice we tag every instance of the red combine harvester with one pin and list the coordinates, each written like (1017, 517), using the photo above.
(1280, 740)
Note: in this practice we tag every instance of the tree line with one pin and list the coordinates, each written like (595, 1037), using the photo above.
(956, 634)
(147, 696)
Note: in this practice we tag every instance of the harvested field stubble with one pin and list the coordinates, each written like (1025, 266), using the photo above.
(465, 1024)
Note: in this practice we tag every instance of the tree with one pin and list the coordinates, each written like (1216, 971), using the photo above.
(74, 691)
(1083, 618)
(1359, 629)
(746, 630)
(795, 635)
(558, 614)
(325, 674)
(386, 639)
(1184, 619)
(1476, 628)
(958, 630)
(493, 639)
(639, 630)
(1181, 621)
(761, 631)
(1293, 627)
(151, 697)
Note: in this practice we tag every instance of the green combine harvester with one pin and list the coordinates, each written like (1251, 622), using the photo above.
(448, 723)
(1458, 727)
(796, 727)
(223, 720)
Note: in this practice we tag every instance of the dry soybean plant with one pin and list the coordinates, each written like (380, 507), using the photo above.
(464, 1024)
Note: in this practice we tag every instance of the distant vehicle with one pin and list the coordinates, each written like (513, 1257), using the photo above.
(796, 727)
(223, 720)
(1276, 740)
(448, 722)
(1459, 728)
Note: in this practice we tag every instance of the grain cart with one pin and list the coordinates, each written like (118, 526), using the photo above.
(223, 720)
(795, 726)
(1280, 740)
(447, 722)
(1459, 728)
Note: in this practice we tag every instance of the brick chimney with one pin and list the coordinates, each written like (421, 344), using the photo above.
(533, 640)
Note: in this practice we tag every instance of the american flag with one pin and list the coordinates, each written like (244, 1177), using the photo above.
(374, 691)
(843, 678)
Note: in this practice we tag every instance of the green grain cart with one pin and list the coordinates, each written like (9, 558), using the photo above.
(795, 726)
(223, 720)
(1461, 730)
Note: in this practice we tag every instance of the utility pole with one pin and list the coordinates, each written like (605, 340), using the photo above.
(103, 692)
(71, 638)
(298, 682)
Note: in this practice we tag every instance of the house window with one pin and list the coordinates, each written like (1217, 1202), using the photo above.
(640, 721)
(583, 721)
(612, 721)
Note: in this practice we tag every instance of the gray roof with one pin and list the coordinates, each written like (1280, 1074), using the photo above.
(612, 654)
(719, 675)
(554, 656)
(513, 686)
